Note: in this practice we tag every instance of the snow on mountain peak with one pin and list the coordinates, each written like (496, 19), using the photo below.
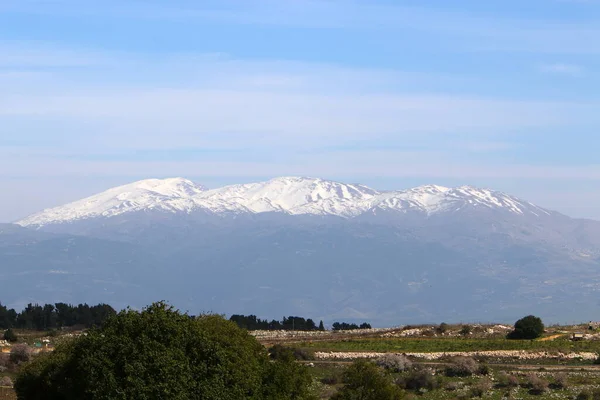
(293, 195)
(172, 194)
(290, 195)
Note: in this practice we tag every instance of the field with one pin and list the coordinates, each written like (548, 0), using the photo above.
(552, 367)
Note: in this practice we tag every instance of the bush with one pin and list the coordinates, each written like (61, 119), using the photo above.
(418, 380)
(465, 330)
(334, 378)
(443, 328)
(452, 386)
(280, 352)
(6, 381)
(586, 394)
(506, 380)
(537, 384)
(4, 362)
(394, 362)
(483, 370)
(20, 353)
(10, 336)
(481, 388)
(561, 381)
(462, 366)
(161, 353)
(529, 327)
(364, 380)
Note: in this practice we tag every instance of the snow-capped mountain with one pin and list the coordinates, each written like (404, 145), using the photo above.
(288, 195)
(310, 247)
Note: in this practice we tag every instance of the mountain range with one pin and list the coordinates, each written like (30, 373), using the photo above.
(309, 247)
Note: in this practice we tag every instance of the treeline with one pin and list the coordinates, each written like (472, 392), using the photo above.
(55, 316)
(252, 323)
(344, 326)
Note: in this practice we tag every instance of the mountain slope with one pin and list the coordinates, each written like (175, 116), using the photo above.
(171, 195)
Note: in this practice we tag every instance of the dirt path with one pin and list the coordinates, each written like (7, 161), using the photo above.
(550, 338)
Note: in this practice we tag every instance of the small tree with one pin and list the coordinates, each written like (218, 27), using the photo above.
(529, 327)
(20, 353)
(10, 336)
(364, 380)
(321, 326)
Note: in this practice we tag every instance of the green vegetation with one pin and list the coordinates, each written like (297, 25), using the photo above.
(344, 326)
(160, 353)
(10, 336)
(52, 316)
(365, 381)
(253, 323)
(529, 327)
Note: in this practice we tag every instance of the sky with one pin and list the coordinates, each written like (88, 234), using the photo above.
(502, 94)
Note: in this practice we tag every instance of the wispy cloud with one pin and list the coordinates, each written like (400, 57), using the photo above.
(563, 69)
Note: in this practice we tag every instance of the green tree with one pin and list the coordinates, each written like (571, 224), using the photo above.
(160, 353)
(10, 336)
(321, 326)
(529, 327)
(363, 380)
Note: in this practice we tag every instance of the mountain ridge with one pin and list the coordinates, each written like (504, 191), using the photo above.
(290, 195)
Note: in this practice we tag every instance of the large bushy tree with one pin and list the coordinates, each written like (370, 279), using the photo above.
(529, 327)
(160, 353)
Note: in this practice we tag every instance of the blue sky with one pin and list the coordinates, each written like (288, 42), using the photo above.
(392, 94)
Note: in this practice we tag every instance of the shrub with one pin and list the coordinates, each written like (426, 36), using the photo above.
(280, 352)
(465, 330)
(4, 362)
(561, 381)
(586, 394)
(506, 380)
(364, 380)
(334, 378)
(537, 384)
(481, 388)
(452, 386)
(394, 362)
(6, 381)
(529, 327)
(417, 380)
(483, 370)
(462, 366)
(443, 328)
(10, 336)
(20, 353)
